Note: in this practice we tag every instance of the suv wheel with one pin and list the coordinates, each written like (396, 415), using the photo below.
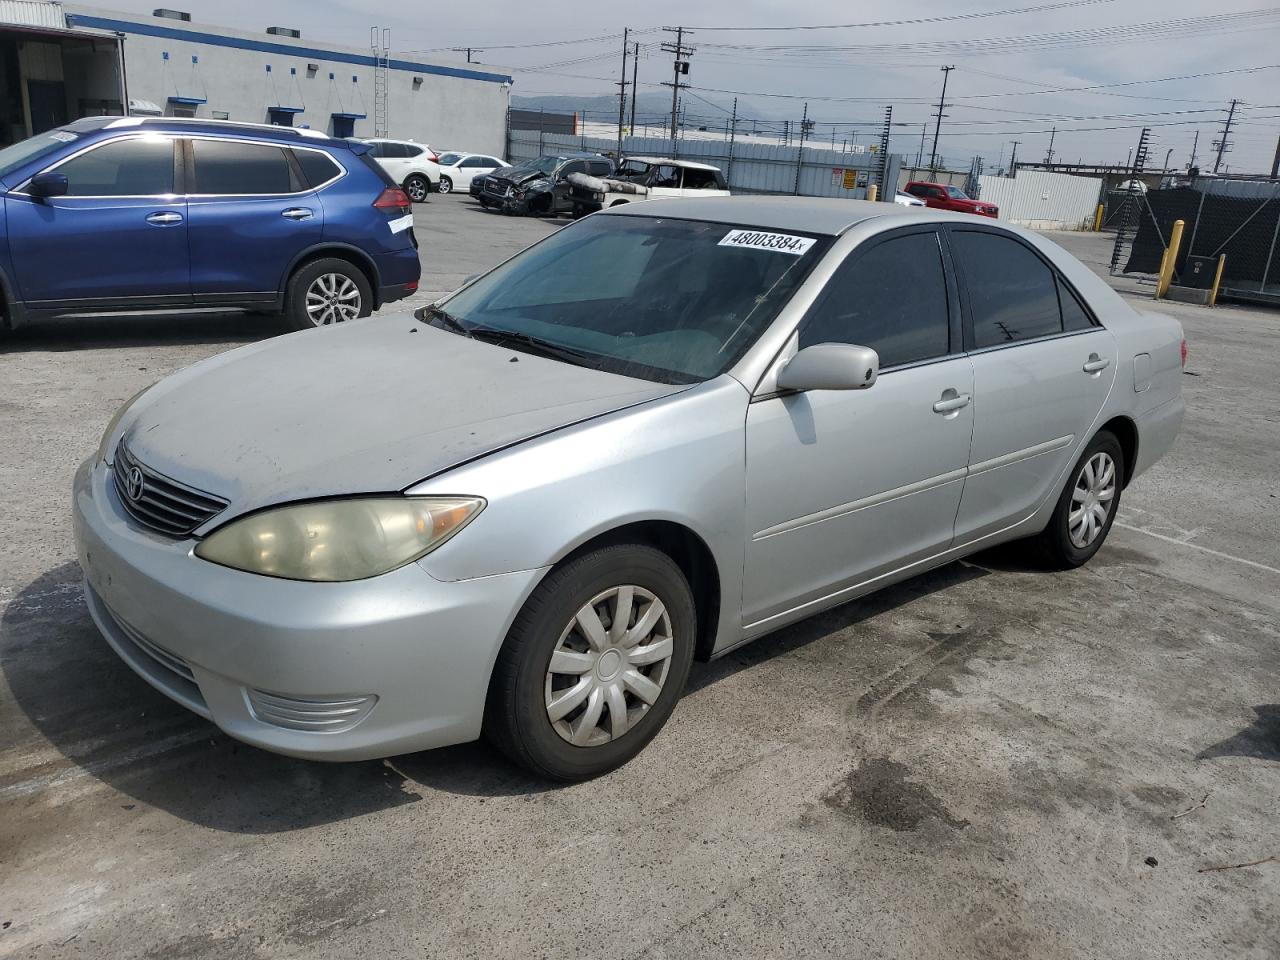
(326, 292)
(593, 664)
(417, 187)
(445, 186)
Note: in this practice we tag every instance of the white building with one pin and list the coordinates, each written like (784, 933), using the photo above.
(59, 62)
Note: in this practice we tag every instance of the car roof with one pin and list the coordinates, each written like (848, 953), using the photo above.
(678, 163)
(821, 215)
(200, 125)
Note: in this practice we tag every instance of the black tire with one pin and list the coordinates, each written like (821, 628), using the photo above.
(445, 185)
(417, 187)
(295, 301)
(516, 715)
(1054, 545)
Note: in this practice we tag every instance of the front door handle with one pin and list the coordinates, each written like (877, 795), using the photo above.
(951, 403)
(1095, 364)
(297, 213)
(164, 218)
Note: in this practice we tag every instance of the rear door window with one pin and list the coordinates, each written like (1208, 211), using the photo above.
(137, 167)
(228, 167)
(892, 298)
(1012, 293)
(599, 168)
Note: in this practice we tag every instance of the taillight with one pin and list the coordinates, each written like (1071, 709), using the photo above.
(395, 199)
(433, 156)
(1184, 353)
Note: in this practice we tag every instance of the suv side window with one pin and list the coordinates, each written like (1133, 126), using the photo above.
(916, 190)
(317, 167)
(411, 150)
(1013, 294)
(695, 179)
(122, 168)
(244, 169)
(573, 166)
(475, 162)
(375, 151)
(892, 298)
(599, 168)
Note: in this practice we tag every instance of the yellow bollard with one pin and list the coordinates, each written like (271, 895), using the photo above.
(1170, 259)
(873, 192)
(1097, 219)
(1217, 281)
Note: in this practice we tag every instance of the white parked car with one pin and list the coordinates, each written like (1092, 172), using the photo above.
(412, 165)
(907, 200)
(458, 169)
(646, 178)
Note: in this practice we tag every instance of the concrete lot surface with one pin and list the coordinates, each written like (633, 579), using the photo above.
(988, 761)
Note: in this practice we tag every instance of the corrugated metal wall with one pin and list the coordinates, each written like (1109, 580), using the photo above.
(1044, 201)
(754, 168)
(29, 14)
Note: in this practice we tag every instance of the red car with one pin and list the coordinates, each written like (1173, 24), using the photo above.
(943, 196)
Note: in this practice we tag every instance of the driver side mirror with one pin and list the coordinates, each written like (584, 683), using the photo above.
(830, 366)
(48, 185)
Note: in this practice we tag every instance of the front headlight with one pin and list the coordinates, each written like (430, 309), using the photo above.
(332, 540)
(103, 450)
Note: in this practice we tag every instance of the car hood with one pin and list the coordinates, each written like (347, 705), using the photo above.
(372, 406)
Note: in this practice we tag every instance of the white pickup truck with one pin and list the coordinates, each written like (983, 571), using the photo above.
(646, 178)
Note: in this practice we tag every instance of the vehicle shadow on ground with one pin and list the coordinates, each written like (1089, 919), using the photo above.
(145, 330)
(113, 726)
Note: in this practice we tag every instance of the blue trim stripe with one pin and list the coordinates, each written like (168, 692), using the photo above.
(287, 109)
(190, 101)
(263, 46)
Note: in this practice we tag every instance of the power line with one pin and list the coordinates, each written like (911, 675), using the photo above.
(979, 15)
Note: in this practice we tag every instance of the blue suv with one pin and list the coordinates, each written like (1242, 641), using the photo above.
(130, 213)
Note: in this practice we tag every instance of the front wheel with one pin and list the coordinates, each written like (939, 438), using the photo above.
(1087, 507)
(417, 187)
(325, 292)
(445, 186)
(594, 663)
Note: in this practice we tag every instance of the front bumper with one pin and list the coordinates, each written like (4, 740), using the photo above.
(372, 668)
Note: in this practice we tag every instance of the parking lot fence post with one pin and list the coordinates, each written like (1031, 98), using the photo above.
(1217, 280)
(1170, 259)
(873, 193)
(1097, 218)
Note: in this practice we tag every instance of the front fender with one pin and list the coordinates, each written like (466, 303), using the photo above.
(679, 459)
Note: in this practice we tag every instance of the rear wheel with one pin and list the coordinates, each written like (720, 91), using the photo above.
(417, 187)
(446, 185)
(1087, 507)
(325, 292)
(594, 663)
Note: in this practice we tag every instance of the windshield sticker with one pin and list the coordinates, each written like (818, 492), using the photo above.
(62, 136)
(776, 242)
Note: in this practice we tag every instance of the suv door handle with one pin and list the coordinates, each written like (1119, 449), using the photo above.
(297, 213)
(164, 218)
(951, 402)
(1095, 364)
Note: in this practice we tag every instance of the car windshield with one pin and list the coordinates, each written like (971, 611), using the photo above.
(33, 148)
(677, 301)
(955, 193)
(541, 165)
(449, 159)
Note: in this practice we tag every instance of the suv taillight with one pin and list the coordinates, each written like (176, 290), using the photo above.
(433, 156)
(393, 199)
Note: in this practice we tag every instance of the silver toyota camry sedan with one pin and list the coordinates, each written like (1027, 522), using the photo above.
(660, 433)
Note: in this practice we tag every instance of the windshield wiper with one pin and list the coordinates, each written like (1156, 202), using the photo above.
(534, 344)
(446, 319)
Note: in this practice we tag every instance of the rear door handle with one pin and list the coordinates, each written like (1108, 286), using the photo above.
(951, 402)
(164, 218)
(1096, 364)
(297, 213)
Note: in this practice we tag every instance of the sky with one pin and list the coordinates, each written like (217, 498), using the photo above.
(1008, 84)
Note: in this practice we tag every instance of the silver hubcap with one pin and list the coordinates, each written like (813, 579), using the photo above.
(416, 189)
(332, 298)
(445, 185)
(609, 666)
(1091, 500)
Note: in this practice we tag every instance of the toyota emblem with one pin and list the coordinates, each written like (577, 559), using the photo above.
(134, 484)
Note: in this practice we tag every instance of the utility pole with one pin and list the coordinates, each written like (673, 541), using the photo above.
(1048, 157)
(635, 67)
(622, 87)
(1194, 143)
(942, 103)
(733, 133)
(681, 70)
(1223, 144)
(1013, 160)
(1275, 164)
(920, 153)
(804, 127)
(468, 51)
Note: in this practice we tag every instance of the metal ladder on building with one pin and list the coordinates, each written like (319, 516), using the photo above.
(1133, 201)
(380, 43)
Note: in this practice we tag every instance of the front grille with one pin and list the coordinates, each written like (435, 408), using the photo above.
(157, 502)
(307, 713)
(497, 187)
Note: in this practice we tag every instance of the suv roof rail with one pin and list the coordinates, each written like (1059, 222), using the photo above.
(202, 122)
